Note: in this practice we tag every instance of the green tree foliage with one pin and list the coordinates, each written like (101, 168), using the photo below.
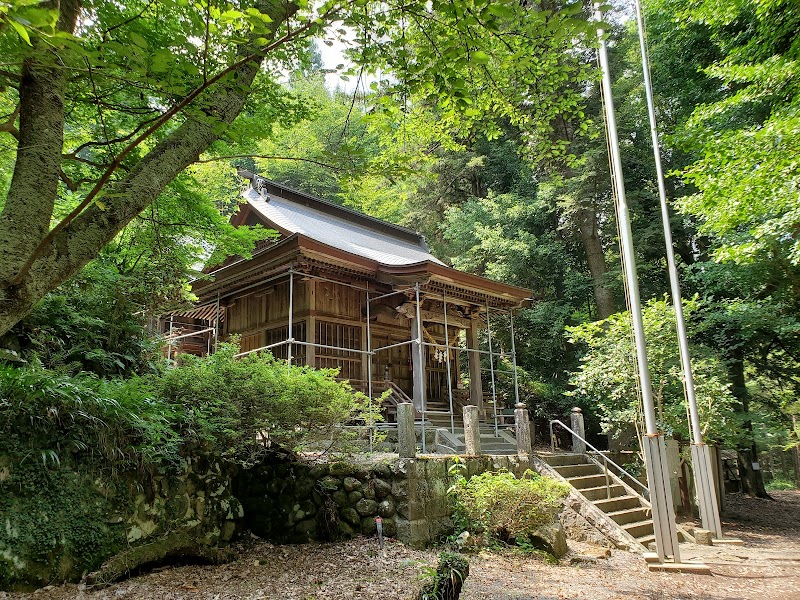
(514, 237)
(746, 174)
(607, 376)
(107, 106)
(724, 74)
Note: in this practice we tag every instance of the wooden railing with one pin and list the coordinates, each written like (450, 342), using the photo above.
(379, 386)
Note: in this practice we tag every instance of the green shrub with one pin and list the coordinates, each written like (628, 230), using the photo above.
(244, 405)
(779, 484)
(445, 582)
(505, 508)
(236, 408)
(76, 446)
(47, 415)
(90, 323)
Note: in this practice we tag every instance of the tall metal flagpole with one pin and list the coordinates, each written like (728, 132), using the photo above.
(666, 533)
(701, 460)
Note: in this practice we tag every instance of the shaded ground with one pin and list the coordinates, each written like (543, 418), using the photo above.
(767, 567)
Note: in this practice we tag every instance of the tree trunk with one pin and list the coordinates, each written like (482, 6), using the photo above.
(796, 454)
(747, 453)
(595, 258)
(80, 241)
(32, 193)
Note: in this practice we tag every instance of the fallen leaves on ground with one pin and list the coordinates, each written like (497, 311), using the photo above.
(768, 567)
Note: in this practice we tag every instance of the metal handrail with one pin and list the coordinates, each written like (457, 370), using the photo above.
(605, 458)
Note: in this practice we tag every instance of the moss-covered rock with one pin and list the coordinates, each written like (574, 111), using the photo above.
(63, 520)
(366, 507)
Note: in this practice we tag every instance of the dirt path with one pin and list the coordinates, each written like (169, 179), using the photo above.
(768, 567)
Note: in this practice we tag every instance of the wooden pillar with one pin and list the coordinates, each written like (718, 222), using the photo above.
(311, 323)
(475, 384)
(366, 344)
(418, 368)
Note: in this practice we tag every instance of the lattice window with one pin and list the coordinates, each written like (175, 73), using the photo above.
(280, 334)
(340, 336)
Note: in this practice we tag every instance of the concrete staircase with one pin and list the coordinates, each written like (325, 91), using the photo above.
(437, 418)
(448, 442)
(628, 510)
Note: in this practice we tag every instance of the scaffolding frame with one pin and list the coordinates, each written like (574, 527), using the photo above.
(417, 341)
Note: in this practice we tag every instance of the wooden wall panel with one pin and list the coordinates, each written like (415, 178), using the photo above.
(339, 300)
(252, 342)
(245, 314)
(266, 306)
(394, 361)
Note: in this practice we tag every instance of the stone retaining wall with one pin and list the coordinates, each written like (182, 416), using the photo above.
(65, 521)
(297, 502)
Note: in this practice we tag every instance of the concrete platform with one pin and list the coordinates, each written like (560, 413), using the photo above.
(694, 568)
(727, 542)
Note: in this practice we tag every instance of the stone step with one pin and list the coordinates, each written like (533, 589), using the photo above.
(567, 471)
(630, 515)
(639, 529)
(601, 493)
(614, 504)
(587, 481)
(646, 540)
(560, 460)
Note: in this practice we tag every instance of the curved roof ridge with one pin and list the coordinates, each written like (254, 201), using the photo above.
(340, 228)
(263, 185)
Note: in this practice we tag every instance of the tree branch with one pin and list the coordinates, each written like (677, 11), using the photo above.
(9, 125)
(10, 75)
(271, 157)
(118, 140)
(256, 56)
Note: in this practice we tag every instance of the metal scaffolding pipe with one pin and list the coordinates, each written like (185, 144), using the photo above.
(421, 357)
(473, 350)
(514, 355)
(393, 293)
(344, 283)
(447, 351)
(262, 348)
(369, 373)
(491, 369)
(376, 350)
(340, 348)
(654, 450)
(191, 333)
(216, 325)
(169, 345)
(291, 319)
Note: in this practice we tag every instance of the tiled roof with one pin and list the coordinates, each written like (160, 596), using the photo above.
(341, 228)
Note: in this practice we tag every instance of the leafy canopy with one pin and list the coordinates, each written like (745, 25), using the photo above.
(607, 376)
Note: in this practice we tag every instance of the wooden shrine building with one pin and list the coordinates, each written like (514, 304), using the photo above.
(344, 290)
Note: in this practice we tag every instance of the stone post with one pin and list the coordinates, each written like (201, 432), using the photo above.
(522, 429)
(576, 424)
(472, 430)
(406, 436)
(475, 384)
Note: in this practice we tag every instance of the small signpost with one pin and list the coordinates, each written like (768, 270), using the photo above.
(379, 527)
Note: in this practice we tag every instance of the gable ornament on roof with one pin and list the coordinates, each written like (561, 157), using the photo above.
(258, 183)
